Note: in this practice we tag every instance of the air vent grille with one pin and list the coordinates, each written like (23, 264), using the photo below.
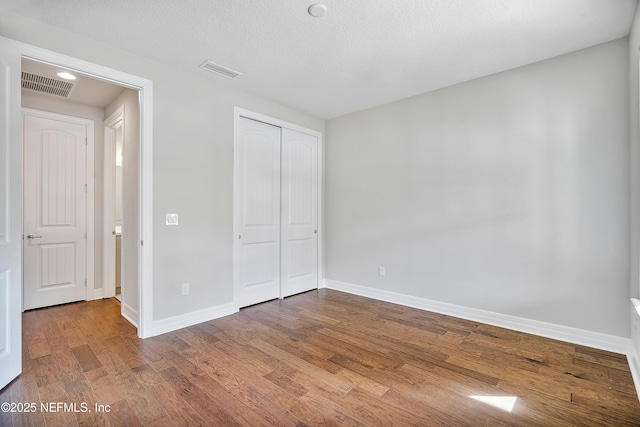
(48, 85)
(219, 69)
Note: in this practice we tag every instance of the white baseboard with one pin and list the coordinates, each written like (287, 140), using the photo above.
(569, 334)
(169, 324)
(97, 293)
(130, 314)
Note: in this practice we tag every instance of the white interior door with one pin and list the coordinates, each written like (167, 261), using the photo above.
(259, 212)
(299, 218)
(10, 215)
(55, 220)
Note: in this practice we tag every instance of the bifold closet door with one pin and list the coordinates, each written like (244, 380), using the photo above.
(259, 212)
(299, 192)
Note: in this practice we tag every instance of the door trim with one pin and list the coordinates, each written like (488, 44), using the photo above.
(109, 247)
(10, 214)
(241, 112)
(145, 90)
(89, 207)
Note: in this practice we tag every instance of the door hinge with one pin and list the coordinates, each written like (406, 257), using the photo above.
(86, 188)
(85, 283)
(85, 235)
(141, 242)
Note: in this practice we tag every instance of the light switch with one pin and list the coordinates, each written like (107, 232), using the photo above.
(172, 219)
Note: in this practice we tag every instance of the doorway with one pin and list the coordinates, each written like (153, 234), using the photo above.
(59, 164)
(83, 97)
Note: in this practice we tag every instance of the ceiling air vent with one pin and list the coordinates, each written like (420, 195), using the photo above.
(219, 69)
(46, 85)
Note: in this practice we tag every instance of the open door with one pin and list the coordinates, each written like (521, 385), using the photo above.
(10, 215)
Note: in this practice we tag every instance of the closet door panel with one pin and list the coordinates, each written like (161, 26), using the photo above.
(259, 210)
(299, 189)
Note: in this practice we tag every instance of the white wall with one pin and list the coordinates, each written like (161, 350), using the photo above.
(507, 193)
(60, 106)
(192, 163)
(131, 193)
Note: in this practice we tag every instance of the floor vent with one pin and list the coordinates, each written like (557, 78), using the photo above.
(219, 69)
(47, 85)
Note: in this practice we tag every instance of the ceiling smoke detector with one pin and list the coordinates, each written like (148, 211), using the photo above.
(317, 10)
(219, 69)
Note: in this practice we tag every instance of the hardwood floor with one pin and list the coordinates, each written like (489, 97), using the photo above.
(320, 358)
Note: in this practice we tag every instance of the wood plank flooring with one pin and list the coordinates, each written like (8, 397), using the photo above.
(319, 358)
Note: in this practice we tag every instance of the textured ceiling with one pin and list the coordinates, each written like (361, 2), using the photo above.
(363, 53)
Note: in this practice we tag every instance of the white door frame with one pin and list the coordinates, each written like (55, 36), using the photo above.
(89, 208)
(111, 123)
(241, 112)
(145, 90)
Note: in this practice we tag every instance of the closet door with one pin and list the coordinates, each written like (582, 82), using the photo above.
(259, 212)
(299, 255)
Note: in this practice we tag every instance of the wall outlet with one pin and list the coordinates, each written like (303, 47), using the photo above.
(185, 289)
(381, 271)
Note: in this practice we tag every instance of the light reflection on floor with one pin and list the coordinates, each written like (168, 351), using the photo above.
(506, 403)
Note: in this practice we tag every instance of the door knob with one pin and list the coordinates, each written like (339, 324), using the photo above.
(33, 236)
